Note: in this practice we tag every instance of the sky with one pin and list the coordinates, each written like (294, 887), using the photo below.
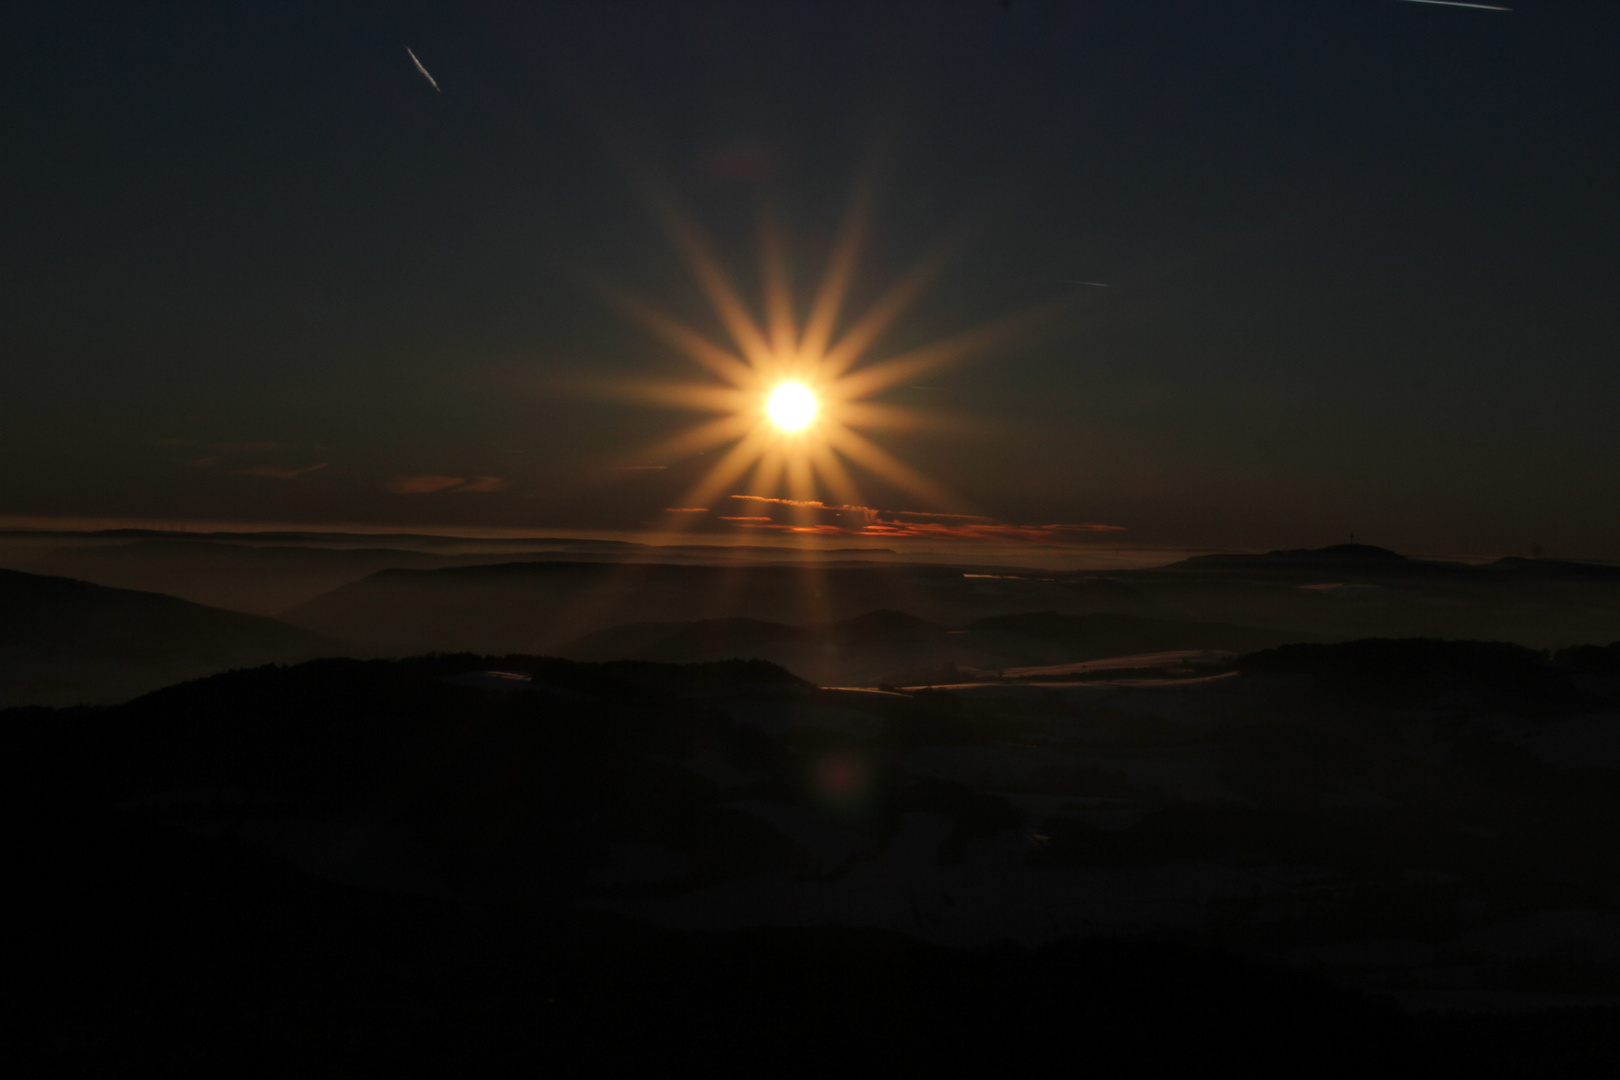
(1355, 264)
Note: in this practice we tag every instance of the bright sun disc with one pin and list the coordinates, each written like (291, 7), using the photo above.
(791, 406)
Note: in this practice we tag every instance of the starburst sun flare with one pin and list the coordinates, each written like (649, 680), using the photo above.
(792, 398)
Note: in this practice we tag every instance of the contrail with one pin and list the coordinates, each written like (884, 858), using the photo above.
(1459, 3)
(1098, 284)
(423, 70)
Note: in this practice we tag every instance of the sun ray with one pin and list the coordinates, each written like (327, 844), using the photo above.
(768, 473)
(695, 345)
(886, 373)
(801, 481)
(696, 440)
(829, 301)
(874, 414)
(778, 293)
(830, 468)
(875, 459)
(854, 342)
(693, 397)
(716, 285)
(729, 469)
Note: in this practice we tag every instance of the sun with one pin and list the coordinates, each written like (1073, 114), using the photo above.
(792, 406)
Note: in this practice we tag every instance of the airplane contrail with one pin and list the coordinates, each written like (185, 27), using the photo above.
(434, 82)
(1098, 284)
(1459, 3)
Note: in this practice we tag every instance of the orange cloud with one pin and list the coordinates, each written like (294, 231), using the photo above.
(871, 514)
(917, 524)
(1048, 534)
(251, 447)
(484, 485)
(276, 472)
(686, 509)
(430, 484)
(422, 485)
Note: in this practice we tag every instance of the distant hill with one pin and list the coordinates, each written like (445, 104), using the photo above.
(1329, 594)
(1353, 560)
(1331, 553)
(1364, 560)
(680, 642)
(267, 573)
(883, 626)
(894, 647)
(64, 641)
(1351, 591)
(1341, 553)
(258, 578)
(537, 607)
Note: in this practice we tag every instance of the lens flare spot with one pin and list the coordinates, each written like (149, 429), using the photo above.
(792, 406)
(840, 777)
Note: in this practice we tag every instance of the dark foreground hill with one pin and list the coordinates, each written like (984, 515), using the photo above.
(65, 641)
(491, 864)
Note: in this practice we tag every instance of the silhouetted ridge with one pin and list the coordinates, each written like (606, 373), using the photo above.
(1344, 561)
(73, 641)
(681, 642)
(1340, 553)
(1593, 659)
(544, 606)
(61, 614)
(883, 625)
(1106, 633)
(903, 649)
(1046, 625)
(1335, 553)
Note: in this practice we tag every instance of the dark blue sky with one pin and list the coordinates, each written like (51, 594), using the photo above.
(1361, 255)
